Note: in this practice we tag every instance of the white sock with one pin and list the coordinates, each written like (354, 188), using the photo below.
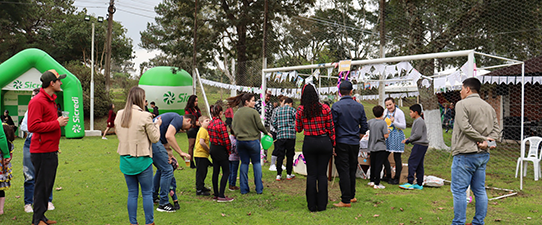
(273, 160)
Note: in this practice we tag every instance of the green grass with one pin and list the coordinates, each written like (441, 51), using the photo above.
(94, 192)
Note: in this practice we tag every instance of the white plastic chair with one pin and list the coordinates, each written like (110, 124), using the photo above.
(533, 156)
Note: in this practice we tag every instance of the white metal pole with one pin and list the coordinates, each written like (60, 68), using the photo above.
(233, 90)
(381, 84)
(522, 119)
(92, 81)
(470, 65)
(264, 87)
(377, 61)
(203, 91)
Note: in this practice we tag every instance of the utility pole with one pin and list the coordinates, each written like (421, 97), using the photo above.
(264, 58)
(264, 35)
(194, 49)
(382, 84)
(107, 71)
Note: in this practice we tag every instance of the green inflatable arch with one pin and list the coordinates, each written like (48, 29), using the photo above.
(72, 96)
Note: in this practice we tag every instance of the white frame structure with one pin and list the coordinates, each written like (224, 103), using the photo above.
(464, 53)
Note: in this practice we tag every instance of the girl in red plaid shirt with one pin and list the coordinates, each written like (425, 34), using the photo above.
(316, 119)
(220, 149)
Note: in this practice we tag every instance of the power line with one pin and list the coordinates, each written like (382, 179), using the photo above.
(334, 24)
(143, 3)
(90, 6)
(134, 13)
(136, 8)
(88, 1)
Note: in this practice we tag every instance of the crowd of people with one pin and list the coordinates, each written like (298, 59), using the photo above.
(147, 139)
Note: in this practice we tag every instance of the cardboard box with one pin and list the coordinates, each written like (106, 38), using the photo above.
(404, 174)
(392, 161)
(301, 168)
(364, 159)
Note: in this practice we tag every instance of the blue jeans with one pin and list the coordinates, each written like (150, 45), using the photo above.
(28, 172)
(156, 186)
(250, 151)
(234, 166)
(163, 169)
(133, 181)
(469, 169)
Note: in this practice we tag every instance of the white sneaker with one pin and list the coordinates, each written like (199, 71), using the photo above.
(104, 138)
(279, 177)
(371, 184)
(380, 186)
(50, 206)
(28, 208)
(273, 168)
(290, 176)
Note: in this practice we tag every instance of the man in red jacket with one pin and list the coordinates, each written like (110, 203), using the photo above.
(45, 123)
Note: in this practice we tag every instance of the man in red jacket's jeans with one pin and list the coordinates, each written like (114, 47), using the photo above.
(44, 122)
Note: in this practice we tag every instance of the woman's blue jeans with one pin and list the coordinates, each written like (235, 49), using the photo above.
(250, 151)
(133, 182)
(469, 169)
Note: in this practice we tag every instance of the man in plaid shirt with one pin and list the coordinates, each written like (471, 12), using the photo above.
(284, 122)
(268, 114)
(268, 109)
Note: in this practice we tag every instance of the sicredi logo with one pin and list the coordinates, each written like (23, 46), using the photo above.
(183, 97)
(76, 128)
(169, 97)
(76, 119)
(17, 84)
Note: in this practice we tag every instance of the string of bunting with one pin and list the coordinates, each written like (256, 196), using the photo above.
(296, 92)
(363, 77)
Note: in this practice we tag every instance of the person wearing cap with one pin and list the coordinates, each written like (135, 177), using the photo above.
(45, 123)
(28, 167)
(350, 125)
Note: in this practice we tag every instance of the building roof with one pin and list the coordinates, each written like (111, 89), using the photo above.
(533, 67)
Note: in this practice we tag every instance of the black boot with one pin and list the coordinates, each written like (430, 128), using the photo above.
(393, 181)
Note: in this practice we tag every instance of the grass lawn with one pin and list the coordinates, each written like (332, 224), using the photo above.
(94, 192)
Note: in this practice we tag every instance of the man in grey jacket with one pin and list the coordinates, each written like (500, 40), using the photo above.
(475, 125)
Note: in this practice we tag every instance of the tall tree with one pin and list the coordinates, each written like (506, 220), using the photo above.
(56, 28)
(21, 25)
(71, 40)
(172, 33)
(229, 28)
(509, 28)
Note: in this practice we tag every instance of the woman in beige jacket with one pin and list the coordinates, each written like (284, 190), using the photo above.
(136, 132)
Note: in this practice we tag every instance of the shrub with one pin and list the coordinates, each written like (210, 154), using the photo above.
(101, 98)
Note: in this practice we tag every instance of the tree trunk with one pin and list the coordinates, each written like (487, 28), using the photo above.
(241, 77)
(428, 99)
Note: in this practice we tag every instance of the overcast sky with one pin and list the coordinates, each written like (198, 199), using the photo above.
(132, 14)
